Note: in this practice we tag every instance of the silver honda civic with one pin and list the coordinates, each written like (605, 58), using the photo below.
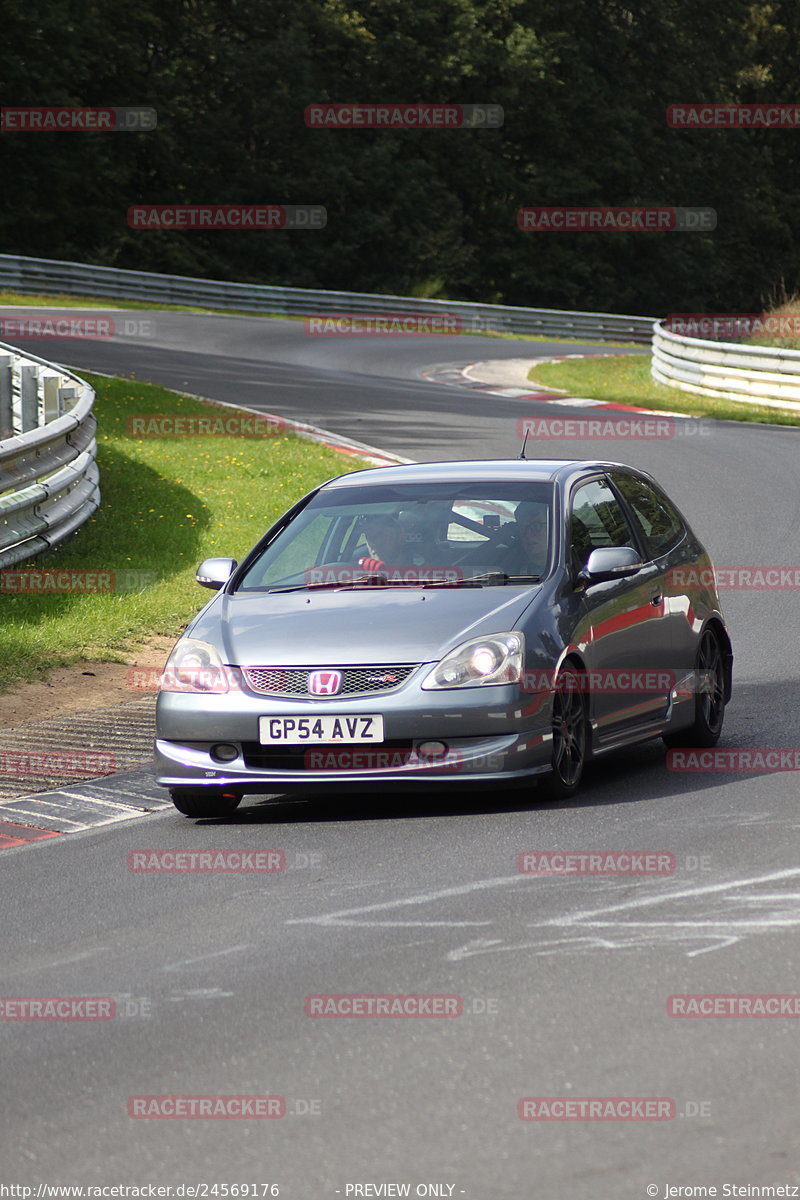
(451, 624)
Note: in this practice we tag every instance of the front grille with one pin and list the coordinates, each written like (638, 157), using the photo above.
(356, 681)
(363, 756)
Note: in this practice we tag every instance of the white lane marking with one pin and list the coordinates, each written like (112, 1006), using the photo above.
(199, 994)
(336, 918)
(685, 894)
(43, 816)
(727, 930)
(91, 800)
(188, 962)
(578, 402)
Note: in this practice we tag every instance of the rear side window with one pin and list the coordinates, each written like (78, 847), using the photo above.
(660, 525)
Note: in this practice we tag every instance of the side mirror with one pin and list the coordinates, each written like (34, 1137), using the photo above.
(610, 562)
(215, 572)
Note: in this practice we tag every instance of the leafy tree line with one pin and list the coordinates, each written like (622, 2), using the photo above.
(585, 86)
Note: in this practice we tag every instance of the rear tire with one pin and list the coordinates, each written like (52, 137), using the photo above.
(709, 699)
(570, 739)
(197, 803)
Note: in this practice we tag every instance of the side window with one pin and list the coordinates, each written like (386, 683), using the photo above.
(660, 525)
(597, 520)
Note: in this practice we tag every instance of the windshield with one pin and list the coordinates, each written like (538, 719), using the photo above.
(452, 534)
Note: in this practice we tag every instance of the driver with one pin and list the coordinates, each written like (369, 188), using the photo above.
(530, 553)
(385, 540)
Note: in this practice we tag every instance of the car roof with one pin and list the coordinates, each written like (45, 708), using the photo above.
(533, 470)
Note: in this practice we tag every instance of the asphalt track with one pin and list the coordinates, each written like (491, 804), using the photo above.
(564, 979)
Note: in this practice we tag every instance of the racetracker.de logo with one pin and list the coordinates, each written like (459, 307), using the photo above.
(594, 428)
(595, 862)
(596, 1108)
(68, 119)
(341, 1005)
(85, 763)
(733, 116)
(765, 761)
(404, 116)
(654, 218)
(393, 574)
(235, 1107)
(768, 579)
(719, 326)
(383, 325)
(50, 582)
(225, 862)
(259, 217)
(80, 328)
(57, 1008)
(396, 759)
(247, 425)
(712, 1004)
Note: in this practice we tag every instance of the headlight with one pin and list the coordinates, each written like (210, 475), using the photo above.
(495, 659)
(194, 666)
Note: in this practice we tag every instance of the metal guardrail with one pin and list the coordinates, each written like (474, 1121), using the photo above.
(733, 371)
(50, 276)
(49, 482)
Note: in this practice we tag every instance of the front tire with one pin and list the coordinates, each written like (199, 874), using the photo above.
(709, 699)
(197, 803)
(570, 739)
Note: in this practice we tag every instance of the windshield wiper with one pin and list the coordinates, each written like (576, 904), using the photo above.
(490, 578)
(498, 577)
(316, 586)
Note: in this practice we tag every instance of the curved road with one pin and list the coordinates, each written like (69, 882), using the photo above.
(564, 980)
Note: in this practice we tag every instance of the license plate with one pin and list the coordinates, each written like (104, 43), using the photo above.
(319, 728)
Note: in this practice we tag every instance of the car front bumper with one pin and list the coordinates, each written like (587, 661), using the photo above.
(492, 734)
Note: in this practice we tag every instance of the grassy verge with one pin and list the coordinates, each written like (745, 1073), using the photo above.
(167, 502)
(626, 379)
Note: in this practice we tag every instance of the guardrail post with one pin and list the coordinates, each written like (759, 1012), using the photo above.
(28, 397)
(66, 399)
(6, 408)
(51, 406)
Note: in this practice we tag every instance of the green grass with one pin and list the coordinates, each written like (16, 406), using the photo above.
(167, 503)
(626, 379)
